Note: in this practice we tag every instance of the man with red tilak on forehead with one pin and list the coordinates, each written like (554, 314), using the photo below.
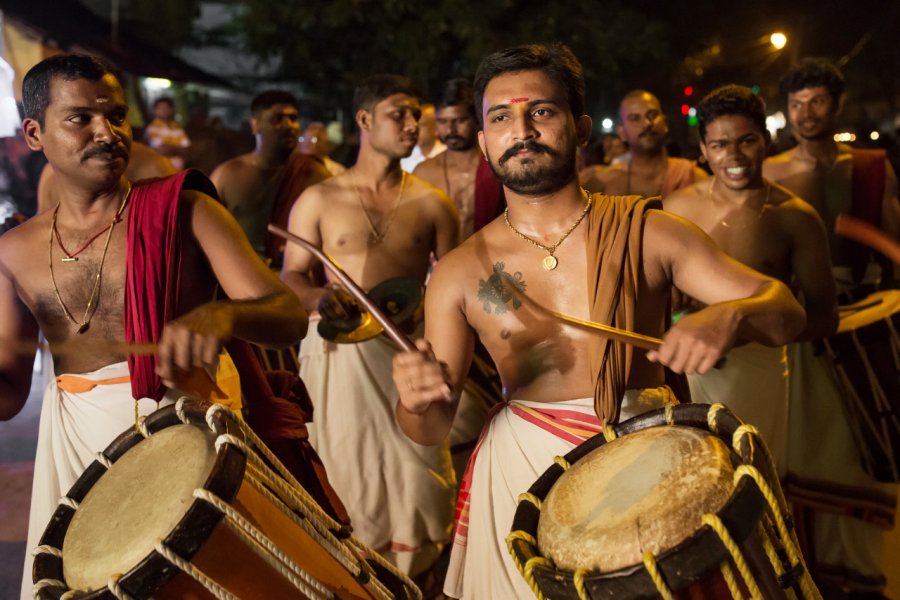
(112, 262)
(607, 259)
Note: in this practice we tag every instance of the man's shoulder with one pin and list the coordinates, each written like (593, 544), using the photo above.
(686, 198)
(24, 240)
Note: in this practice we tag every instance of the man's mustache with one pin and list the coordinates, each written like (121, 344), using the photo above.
(453, 138)
(113, 150)
(529, 145)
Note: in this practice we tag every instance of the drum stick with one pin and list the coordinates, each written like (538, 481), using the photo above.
(390, 327)
(613, 333)
(867, 235)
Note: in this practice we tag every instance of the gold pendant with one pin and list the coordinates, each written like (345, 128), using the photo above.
(550, 262)
(70, 259)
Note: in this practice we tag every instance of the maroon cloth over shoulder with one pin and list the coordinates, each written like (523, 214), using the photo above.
(489, 198)
(294, 182)
(153, 269)
(152, 286)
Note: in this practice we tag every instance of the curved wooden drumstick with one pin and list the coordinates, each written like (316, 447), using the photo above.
(613, 333)
(867, 235)
(390, 327)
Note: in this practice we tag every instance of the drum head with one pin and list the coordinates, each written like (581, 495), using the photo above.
(135, 504)
(644, 491)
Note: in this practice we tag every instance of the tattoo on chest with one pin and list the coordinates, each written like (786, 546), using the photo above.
(495, 292)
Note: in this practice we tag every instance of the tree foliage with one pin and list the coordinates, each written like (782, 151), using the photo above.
(330, 47)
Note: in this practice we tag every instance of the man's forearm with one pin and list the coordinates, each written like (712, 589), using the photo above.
(429, 428)
(276, 320)
(771, 316)
(308, 294)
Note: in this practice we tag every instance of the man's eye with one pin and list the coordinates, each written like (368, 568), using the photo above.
(498, 118)
(543, 112)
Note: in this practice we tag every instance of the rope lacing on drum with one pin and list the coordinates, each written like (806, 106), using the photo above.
(712, 416)
(529, 497)
(115, 589)
(730, 580)
(191, 570)
(527, 570)
(653, 570)
(300, 500)
(47, 549)
(749, 433)
(578, 580)
(716, 524)
(774, 502)
(179, 410)
(66, 501)
(142, 427)
(104, 460)
(46, 583)
(670, 414)
(561, 461)
(277, 559)
(609, 433)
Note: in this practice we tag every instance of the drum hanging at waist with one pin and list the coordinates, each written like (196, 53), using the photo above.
(682, 500)
(194, 505)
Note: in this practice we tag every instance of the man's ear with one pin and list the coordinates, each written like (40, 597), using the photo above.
(32, 131)
(254, 125)
(620, 131)
(364, 119)
(583, 129)
(703, 151)
(481, 142)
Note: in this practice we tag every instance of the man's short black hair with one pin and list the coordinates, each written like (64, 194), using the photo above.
(556, 60)
(164, 100)
(376, 88)
(270, 98)
(731, 100)
(813, 72)
(458, 92)
(68, 67)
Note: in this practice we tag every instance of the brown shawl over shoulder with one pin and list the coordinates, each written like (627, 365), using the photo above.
(615, 228)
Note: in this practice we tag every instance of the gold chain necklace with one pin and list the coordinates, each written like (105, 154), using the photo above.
(759, 214)
(378, 236)
(91, 309)
(549, 263)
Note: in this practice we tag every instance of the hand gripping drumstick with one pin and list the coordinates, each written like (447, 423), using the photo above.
(868, 235)
(390, 327)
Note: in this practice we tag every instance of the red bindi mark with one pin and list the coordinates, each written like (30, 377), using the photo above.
(515, 100)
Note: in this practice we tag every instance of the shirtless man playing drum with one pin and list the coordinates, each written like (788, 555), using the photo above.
(531, 101)
(84, 294)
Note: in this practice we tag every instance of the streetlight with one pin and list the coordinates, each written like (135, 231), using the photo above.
(778, 40)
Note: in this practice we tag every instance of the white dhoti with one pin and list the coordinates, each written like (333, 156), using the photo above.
(399, 494)
(74, 427)
(850, 509)
(753, 384)
(517, 447)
